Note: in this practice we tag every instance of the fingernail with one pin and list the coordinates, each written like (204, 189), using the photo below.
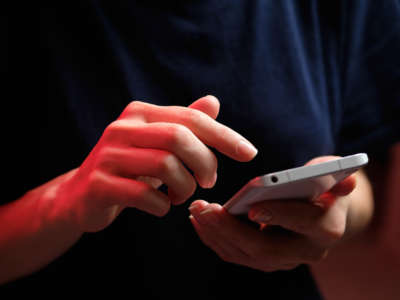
(212, 181)
(193, 207)
(208, 216)
(262, 216)
(246, 148)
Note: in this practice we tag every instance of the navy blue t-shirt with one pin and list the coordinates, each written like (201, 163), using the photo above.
(299, 79)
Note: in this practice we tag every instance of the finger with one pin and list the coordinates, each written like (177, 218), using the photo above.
(173, 138)
(160, 164)
(126, 192)
(265, 251)
(321, 159)
(154, 182)
(226, 250)
(208, 105)
(215, 216)
(303, 217)
(228, 253)
(209, 131)
(344, 187)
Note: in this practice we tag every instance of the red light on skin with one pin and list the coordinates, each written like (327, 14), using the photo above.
(326, 200)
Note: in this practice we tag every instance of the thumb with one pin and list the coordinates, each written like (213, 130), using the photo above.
(344, 187)
(208, 105)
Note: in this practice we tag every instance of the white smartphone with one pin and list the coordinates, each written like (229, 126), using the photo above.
(302, 182)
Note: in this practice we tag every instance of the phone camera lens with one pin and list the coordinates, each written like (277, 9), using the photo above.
(274, 179)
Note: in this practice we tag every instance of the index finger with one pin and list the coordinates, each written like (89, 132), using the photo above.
(208, 130)
(346, 186)
(263, 249)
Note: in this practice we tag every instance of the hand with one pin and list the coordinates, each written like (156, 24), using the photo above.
(311, 229)
(146, 146)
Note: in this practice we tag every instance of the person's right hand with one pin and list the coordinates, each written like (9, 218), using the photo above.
(146, 146)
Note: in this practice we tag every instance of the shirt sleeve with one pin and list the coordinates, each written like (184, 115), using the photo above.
(371, 77)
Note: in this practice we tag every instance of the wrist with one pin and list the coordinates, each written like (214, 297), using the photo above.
(56, 205)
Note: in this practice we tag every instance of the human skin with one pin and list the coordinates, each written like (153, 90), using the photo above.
(369, 267)
(149, 145)
(311, 228)
(146, 146)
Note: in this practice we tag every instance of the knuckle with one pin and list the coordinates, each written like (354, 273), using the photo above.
(194, 116)
(333, 231)
(226, 132)
(96, 181)
(105, 158)
(178, 136)
(167, 164)
(115, 129)
(115, 126)
(106, 152)
(133, 106)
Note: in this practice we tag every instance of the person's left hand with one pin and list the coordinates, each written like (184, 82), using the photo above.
(310, 228)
